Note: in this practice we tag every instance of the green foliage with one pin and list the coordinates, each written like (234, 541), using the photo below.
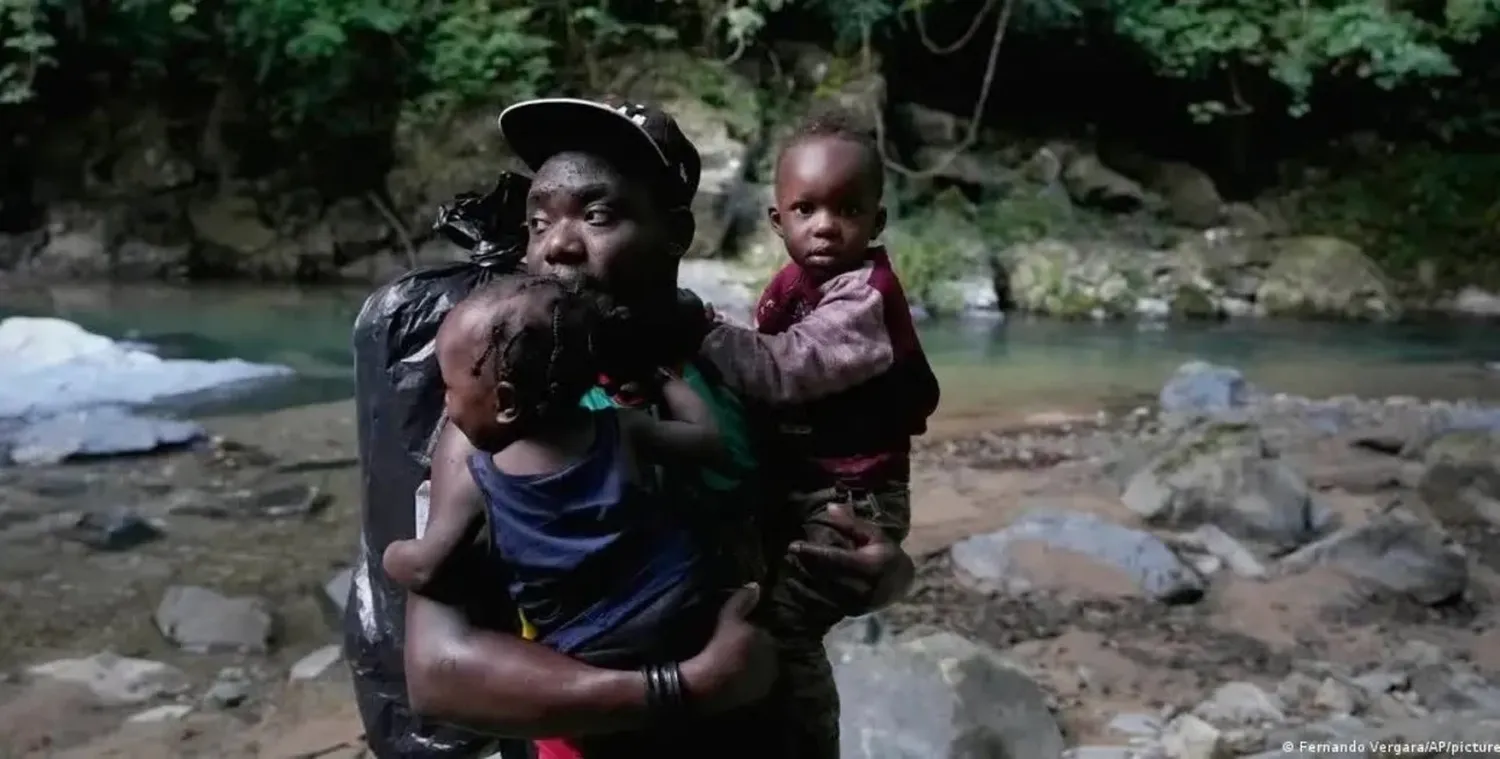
(1222, 41)
(309, 54)
(25, 47)
(470, 48)
(1025, 216)
(923, 253)
(1400, 209)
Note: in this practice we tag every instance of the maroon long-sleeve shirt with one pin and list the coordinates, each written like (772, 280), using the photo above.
(840, 365)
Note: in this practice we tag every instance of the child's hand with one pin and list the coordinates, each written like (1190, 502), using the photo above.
(691, 321)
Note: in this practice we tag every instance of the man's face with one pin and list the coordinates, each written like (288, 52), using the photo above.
(589, 224)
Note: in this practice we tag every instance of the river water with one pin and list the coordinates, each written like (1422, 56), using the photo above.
(1020, 367)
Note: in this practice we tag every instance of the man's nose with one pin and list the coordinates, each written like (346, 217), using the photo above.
(563, 246)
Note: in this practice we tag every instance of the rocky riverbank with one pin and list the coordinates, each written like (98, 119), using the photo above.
(1209, 578)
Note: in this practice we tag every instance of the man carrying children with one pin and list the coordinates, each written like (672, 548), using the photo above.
(608, 210)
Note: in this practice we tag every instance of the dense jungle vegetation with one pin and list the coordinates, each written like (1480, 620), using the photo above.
(1245, 84)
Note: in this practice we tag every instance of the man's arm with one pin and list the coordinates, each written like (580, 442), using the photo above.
(842, 343)
(497, 683)
(492, 681)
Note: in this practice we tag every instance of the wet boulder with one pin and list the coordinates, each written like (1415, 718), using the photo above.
(1325, 277)
(1396, 552)
(1224, 473)
(940, 697)
(1199, 387)
(1116, 558)
(202, 621)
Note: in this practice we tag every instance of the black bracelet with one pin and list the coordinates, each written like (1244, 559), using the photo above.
(664, 692)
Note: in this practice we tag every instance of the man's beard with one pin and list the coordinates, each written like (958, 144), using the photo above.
(576, 278)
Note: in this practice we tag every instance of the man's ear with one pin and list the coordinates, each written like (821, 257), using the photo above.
(507, 405)
(681, 226)
(880, 220)
(775, 216)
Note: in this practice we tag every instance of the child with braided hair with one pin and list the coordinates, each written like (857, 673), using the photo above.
(598, 564)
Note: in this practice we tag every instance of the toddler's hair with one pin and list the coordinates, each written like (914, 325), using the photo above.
(844, 124)
(541, 340)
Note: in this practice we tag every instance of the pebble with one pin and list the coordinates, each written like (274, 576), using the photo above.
(1239, 704)
(1136, 724)
(1334, 697)
(230, 689)
(1188, 737)
(316, 663)
(163, 713)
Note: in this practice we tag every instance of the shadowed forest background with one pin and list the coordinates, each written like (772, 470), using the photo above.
(311, 139)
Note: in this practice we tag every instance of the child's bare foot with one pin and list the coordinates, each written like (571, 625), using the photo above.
(406, 562)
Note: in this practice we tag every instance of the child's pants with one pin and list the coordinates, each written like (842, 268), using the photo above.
(806, 599)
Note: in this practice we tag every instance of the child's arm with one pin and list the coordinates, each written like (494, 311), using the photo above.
(450, 524)
(842, 343)
(692, 434)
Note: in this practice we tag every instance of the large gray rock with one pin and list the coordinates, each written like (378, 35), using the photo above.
(1199, 387)
(1461, 484)
(940, 697)
(115, 680)
(1141, 558)
(1325, 277)
(202, 621)
(1396, 552)
(96, 432)
(1224, 473)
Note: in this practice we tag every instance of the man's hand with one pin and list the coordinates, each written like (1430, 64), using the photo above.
(738, 665)
(873, 556)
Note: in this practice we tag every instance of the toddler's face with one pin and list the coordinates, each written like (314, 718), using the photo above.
(827, 207)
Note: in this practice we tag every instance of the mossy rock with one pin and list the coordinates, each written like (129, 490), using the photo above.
(1193, 303)
(1223, 473)
(1325, 277)
(1464, 447)
(1072, 282)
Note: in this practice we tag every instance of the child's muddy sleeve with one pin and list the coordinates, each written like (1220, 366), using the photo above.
(842, 343)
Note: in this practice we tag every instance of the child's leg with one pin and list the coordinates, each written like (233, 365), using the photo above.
(412, 563)
(805, 599)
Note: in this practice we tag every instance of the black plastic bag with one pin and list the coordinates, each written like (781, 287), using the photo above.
(399, 405)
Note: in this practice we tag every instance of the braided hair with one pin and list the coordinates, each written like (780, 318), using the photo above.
(542, 341)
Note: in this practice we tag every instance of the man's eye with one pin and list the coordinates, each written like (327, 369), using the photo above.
(598, 216)
(536, 224)
(802, 209)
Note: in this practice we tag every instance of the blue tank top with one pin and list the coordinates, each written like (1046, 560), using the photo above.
(597, 564)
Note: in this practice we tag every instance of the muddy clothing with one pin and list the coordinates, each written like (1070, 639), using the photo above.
(844, 384)
(839, 366)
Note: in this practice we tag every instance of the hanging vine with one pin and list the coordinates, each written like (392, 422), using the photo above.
(971, 134)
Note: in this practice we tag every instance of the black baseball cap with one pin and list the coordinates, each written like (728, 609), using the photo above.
(536, 130)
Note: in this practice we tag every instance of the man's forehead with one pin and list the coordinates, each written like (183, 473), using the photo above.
(579, 173)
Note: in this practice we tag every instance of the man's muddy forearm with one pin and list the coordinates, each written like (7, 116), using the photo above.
(500, 684)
